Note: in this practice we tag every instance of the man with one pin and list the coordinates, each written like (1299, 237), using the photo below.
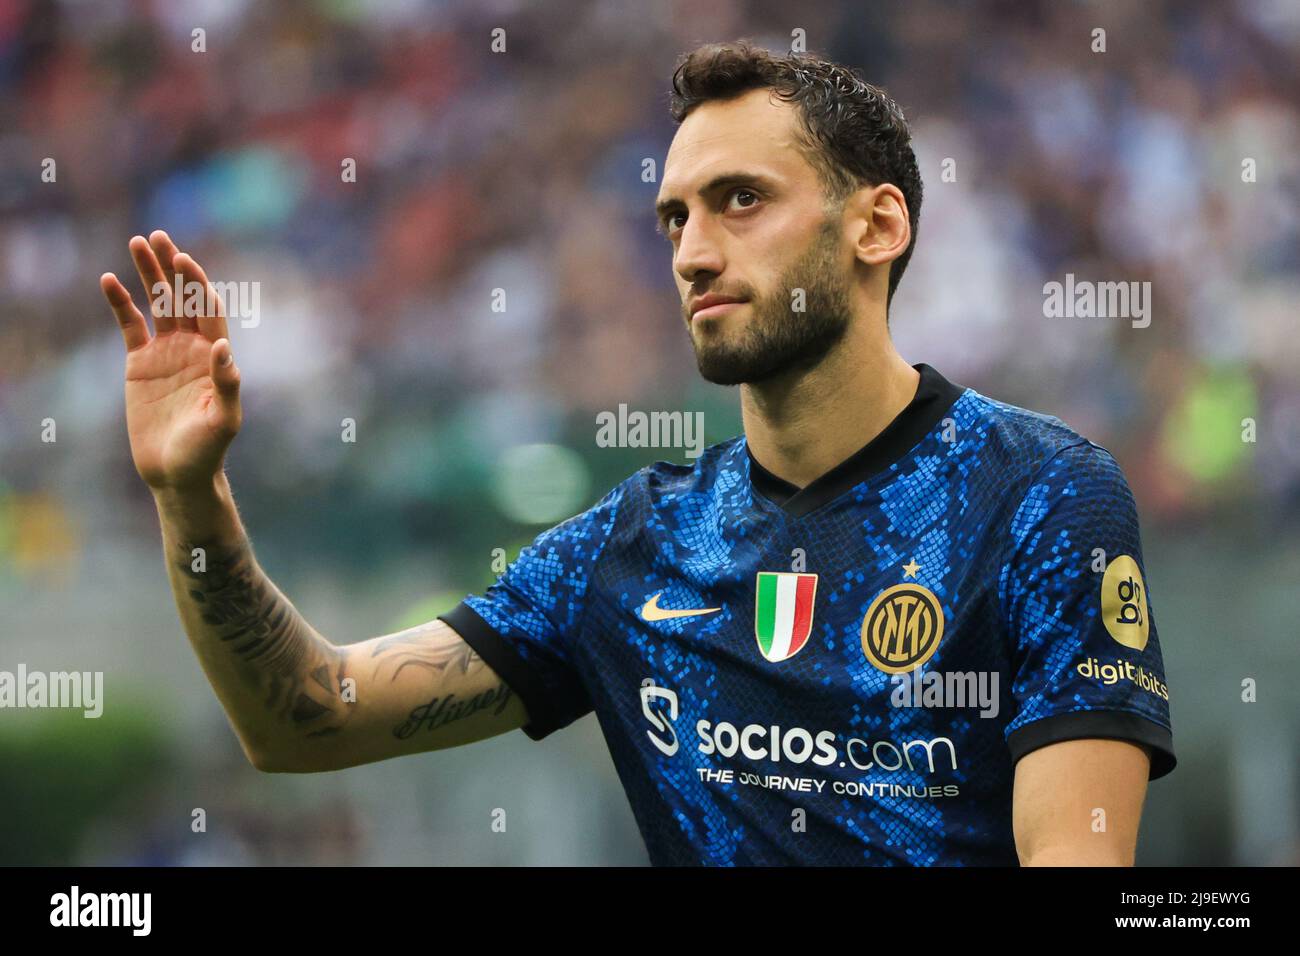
(896, 622)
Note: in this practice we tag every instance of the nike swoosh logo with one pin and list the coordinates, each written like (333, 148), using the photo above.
(651, 611)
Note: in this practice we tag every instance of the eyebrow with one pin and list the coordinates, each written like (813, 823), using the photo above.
(723, 180)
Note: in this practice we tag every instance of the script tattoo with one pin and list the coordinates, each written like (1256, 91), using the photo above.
(299, 672)
(441, 711)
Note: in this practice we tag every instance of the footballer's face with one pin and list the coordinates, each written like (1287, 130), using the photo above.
(748, 221)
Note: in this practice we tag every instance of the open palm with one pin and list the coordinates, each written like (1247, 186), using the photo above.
(182, 386)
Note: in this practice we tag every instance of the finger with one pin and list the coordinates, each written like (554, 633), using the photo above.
(212, 322)
(165, 250)
(190, 290)
(225, 378)
(156, 292)
(135, 331)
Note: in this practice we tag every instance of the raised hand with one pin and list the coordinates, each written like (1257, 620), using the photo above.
(182, 384)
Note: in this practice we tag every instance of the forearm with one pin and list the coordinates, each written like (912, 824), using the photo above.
(279, 681)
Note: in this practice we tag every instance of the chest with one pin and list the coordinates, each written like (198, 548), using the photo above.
(844, 607)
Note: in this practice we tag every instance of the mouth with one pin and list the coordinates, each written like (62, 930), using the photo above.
(714, 311)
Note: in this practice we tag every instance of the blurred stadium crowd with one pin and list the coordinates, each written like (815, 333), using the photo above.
(522, 171)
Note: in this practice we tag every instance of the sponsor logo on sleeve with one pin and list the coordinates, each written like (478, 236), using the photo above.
(1124, 603)
(1111, 673)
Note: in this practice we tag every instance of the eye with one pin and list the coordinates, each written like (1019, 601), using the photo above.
(737, 193)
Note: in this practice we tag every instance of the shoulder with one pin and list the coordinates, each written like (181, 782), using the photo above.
(717, 470)
(1042, 472)
(625, 510)
(1027, 447)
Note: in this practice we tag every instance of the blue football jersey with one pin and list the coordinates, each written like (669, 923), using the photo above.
(844, 673)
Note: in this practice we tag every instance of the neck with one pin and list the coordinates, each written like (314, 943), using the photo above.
(801, 424)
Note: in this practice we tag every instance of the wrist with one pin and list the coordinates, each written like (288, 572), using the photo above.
(197, 512)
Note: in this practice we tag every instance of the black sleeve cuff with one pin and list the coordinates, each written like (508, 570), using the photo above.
(1106, 724)
(497, 653)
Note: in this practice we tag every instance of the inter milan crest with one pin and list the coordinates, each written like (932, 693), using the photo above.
(902, 628)
(783, 613)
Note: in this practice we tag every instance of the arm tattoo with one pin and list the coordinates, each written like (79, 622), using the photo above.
(420, 647)
(441, 711)
(429, 648)
(299, 672)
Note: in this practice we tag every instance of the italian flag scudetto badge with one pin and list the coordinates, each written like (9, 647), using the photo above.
(783, 613)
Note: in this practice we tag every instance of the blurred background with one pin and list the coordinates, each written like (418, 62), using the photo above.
(522, 170)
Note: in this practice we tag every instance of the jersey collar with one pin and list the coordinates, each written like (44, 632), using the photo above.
(935, 395)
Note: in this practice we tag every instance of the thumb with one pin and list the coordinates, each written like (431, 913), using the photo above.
(225, 376)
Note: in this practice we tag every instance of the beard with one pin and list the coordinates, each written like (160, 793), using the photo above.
(777, 338)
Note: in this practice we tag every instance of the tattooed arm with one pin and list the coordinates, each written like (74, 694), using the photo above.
(298, 702)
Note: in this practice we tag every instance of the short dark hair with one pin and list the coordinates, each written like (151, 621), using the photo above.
(853, 133)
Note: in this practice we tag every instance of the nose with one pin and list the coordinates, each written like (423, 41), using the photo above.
(697, 252)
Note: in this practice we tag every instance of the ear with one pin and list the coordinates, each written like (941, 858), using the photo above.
(883, 226)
